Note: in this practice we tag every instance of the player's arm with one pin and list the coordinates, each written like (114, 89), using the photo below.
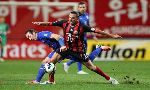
(56, 23)
(58, 38)
(42, 23)
(94, 36)
(96, 30)
(107, 34)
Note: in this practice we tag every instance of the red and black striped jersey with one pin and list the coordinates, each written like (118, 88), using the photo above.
(74, 35)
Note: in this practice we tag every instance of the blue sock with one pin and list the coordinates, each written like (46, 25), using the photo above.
(40, 74)
(95, 53)
(79, 66)
(70, 62)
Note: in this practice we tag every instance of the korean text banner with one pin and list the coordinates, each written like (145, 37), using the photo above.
(129, 18)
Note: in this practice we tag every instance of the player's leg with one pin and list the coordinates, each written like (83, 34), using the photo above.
(51, 79)
(80, 71)
(79, 65)
(41, 70)
(54, 58)
(1, 52)
(97, 70)
(3, 44)
(97, 51)
(92, 56)
(39, 76)
(70, 62)
(67, 65)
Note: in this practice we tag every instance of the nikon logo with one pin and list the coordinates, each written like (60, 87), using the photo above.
(122, 52)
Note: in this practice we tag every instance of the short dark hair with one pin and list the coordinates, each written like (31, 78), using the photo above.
(81, 3)
(75, 12)
(31, 30)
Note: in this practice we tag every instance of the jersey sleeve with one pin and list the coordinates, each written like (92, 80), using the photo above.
(58, 23)
(88, 28)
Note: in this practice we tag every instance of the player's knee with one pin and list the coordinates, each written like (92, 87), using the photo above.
(53, 60)
(92, 68)
(46, 60)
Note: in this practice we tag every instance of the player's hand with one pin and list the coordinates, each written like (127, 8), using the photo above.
(37, 23)
(116, 36)
(63, 48)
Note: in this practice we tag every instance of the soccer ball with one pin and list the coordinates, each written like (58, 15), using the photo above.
(49, 67)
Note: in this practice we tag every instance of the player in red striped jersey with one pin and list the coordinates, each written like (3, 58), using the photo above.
(74, 47)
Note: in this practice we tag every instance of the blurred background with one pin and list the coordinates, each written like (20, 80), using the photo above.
(128, 18)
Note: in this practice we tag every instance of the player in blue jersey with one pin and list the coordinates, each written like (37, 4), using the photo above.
(52, 40)
(84, 19)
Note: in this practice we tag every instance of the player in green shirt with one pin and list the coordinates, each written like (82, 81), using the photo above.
(4, 30)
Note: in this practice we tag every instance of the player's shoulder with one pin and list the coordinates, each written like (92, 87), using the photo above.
(45, 32)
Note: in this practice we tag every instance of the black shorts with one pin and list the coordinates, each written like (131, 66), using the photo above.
(76, 56)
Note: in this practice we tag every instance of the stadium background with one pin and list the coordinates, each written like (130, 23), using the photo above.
(128, 18)
(128, 61)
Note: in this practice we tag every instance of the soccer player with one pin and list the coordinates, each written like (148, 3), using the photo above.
(84, 19)
(4, 30)
(52, 40)
(74, 43)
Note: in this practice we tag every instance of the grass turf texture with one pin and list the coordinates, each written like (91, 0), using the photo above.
(131, 75)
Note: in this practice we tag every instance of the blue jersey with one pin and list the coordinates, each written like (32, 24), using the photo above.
(84, 19)
(45, 37)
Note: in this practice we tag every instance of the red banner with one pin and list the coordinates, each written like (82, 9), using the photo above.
(26, 50)
(129, 18)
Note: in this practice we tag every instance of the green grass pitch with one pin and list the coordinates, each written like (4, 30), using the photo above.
(131, 76)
